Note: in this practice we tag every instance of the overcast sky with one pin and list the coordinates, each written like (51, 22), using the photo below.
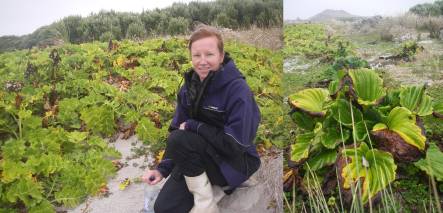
(307, 8)
(19, 17)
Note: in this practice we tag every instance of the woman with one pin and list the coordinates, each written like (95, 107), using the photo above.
(210, 149)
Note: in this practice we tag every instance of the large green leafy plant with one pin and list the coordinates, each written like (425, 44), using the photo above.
(364, 130)
(313, 41)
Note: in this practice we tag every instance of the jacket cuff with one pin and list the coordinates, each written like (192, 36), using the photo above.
(165, 167)
(192, 125)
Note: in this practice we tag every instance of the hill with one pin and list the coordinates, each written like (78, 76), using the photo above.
(328, 15)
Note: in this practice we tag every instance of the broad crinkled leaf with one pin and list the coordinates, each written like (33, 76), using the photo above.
(300, 149)
(343, 113)
(302, 120)
(26, 190)
(375, 168)
(13, 149)
(138, 95)
(416, 100)
(433, 163)
(99, 119)
(360, 131)
(68, 112)
(147, 131)
(45, 140)
(392, 97)
(425, 106)
(95, 141)
(312, 101)
(401, 121)
(45, 164)
(368, 86)
(332, 137)
(322, 159)
(438, 110)
(334, 86)
(43, 207)
(77, 137)
(31, 123)
(12, 170)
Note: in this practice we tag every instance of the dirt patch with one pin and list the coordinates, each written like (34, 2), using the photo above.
(270, 38)
(424, 67)
(298, 64)
(129, 199)
(407, 76)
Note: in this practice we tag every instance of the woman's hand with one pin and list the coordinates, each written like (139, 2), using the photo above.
(152, 177)
(182, 126)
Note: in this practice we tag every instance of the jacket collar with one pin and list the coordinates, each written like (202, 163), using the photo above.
(226, 74)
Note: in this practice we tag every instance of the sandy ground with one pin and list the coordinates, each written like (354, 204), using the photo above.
(271, 38)
(131, 198)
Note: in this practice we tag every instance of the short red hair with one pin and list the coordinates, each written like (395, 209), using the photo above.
(204, 31)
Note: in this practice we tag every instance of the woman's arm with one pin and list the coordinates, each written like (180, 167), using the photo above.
(242, 119)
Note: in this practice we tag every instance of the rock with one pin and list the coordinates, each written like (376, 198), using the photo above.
(387, 57)
(298, 64)
(264, 193)
(406, 37)
(425, 42)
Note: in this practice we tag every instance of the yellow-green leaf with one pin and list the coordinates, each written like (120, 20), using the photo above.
(367, 85)
(331, 137)
(322, 159)
(345, 113)
(300, 149)
(402, 121)
(28, 191)
(312, 101)
(416, 100)
(375, 168)
(438, 110)
(433, 163)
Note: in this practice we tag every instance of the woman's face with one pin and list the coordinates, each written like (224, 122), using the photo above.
(205, 56)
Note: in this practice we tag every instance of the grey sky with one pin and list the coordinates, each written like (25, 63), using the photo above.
(308, 8)
(19, 17)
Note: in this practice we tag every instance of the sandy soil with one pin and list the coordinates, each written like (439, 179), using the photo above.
(131, 198)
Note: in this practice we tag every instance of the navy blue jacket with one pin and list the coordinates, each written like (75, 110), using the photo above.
(227, 117)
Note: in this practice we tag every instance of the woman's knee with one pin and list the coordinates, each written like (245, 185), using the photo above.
(184, 140)
(174, 140)
(159, 206)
